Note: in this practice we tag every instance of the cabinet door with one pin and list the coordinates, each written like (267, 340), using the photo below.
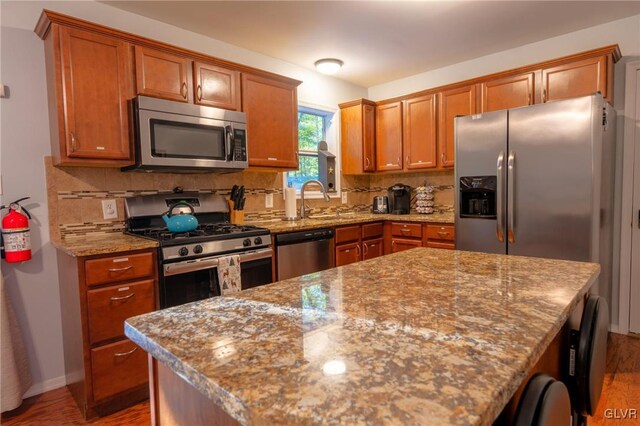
(389, 136)
(216, 86)
(420, 133)
(580, 78)
(348, 253)
(460, 101)
(95, 82)
(509, 92)
(357, 127)
(368, 138)
(400, 244)
(272, 125)
(372, 248)
(162, 75)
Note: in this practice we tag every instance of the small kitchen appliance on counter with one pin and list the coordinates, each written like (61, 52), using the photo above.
(188, 261)
(399, 199)
(381, 204)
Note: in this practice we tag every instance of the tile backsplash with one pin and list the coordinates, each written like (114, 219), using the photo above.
(75, 194)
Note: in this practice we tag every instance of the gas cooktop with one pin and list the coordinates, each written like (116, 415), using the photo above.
(205, 232)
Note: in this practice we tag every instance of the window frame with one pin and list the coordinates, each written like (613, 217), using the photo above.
(331, 136)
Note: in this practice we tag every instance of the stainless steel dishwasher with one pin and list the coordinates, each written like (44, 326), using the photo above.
(304, 252)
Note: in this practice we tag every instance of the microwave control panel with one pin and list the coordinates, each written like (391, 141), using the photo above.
(240, 145)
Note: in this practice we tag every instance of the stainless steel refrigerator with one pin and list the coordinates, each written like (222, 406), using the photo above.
(538, 181)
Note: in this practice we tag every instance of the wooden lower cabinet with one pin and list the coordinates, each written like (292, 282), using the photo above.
(372, 248)
(104, 370)
(116, 368)
(359, 242)
(400, 244)
(401, 236)
(348, 253)
(440, 236)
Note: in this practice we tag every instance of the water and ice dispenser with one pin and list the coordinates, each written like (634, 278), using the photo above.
(478, 197)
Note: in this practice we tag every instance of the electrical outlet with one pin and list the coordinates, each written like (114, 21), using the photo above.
(109, 209)
(344, 197)
(268, 201)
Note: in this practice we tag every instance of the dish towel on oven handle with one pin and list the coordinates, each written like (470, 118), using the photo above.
(229, 275)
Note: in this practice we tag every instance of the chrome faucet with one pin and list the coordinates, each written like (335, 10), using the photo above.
(303, 209)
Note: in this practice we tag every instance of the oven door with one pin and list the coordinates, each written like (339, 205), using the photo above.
(197, 279)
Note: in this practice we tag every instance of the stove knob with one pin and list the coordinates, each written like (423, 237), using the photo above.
(197, 249)
(257, 241)
(183, 251)
(246, 242)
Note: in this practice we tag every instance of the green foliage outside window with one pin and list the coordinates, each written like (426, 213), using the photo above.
(311, 130)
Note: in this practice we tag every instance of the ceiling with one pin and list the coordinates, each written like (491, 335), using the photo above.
(380, 41)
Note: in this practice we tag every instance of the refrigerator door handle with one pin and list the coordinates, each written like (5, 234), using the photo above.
(511, 184)
(500, 197)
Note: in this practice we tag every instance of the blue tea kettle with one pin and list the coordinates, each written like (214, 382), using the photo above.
(180, 222)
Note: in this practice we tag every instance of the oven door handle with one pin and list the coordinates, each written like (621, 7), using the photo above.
(211, 262)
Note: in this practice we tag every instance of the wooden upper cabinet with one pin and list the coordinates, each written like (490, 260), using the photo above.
(163, 75)
(216, 86)
(93, 121)
(508, 92)
(578, 78)
(272, 125)
(420, 132)
(389, 136)
(454, 102)
(357, 127)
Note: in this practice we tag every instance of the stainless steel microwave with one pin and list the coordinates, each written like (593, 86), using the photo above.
(185, 138)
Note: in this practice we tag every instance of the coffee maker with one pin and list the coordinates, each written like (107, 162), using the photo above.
(399, 199)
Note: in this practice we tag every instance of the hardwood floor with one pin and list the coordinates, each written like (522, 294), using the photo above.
(58, 408)
(621, 391)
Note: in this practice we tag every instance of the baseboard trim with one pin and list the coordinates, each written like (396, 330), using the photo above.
(613, 328)
(47, 385)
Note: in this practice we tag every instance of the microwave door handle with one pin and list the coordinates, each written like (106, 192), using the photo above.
(230, 141)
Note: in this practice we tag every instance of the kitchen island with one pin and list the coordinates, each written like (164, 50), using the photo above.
(424, 336)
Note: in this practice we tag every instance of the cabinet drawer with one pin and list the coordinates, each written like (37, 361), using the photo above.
(118, 268)
(372, 248)
(117, 367)
(399, 244)
(372, 230)
(347, 233)
(442, 245)
(406, 230)
(109, 307)
(441, 232)
(347, 253)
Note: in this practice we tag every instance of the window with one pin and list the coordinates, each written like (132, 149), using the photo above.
(314, 125)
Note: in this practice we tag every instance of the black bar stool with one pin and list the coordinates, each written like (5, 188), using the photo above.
(544, 402)
(588, 358)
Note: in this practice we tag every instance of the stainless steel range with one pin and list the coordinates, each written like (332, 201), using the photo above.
(188, 261)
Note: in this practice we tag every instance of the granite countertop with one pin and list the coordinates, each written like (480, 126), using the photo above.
(424, 336)
(92, 244)
(277, 226)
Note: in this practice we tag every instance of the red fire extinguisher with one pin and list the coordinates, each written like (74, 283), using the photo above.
(15, 232)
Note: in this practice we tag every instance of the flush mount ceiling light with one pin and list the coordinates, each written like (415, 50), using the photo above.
(328, 65)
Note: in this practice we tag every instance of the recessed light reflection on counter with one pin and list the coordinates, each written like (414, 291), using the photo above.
(334, 367)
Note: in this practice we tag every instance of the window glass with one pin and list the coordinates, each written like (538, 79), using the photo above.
(312, 128)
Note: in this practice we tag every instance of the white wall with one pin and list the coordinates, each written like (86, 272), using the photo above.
(24, 141)
(624, 32)
(32, 287)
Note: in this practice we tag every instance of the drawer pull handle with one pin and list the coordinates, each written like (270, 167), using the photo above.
(405, 230)
(443, 234)
(126, 353)
(128, 296)
(126, 268)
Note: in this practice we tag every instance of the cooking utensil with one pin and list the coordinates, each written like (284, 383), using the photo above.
(180, 222)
